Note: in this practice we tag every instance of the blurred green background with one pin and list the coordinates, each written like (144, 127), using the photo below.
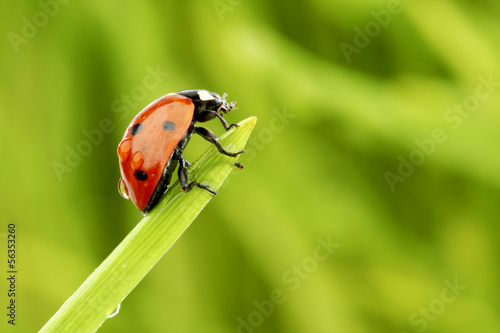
(378, 132)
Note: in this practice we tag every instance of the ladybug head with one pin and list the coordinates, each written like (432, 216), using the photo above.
(221, 101)
(206, 102)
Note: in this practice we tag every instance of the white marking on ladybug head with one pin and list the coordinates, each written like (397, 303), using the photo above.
(205, 95)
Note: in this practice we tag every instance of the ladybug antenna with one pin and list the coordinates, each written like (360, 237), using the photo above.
(226, 107)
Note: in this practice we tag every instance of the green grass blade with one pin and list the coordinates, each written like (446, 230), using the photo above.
(126, 266)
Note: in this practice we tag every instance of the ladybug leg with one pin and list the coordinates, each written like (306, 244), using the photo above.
(224, 122)
(210, 137)
(182, 172)
(183, 178)
(205, 187)
(211, 114)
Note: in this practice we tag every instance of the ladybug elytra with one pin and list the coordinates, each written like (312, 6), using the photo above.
(152, 145)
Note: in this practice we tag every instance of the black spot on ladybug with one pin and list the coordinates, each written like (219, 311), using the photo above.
(140, 175)
(168, 126)
(136, 129)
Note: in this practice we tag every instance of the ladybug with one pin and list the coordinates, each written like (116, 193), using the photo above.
(152, 145)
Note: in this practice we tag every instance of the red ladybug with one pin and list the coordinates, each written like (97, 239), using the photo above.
(153, 143)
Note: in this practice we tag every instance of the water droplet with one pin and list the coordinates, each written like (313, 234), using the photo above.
(122, 189)
(124, 149)
(117, 310)
(137, 160)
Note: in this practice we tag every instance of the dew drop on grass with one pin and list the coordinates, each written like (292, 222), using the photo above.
(117, 310)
